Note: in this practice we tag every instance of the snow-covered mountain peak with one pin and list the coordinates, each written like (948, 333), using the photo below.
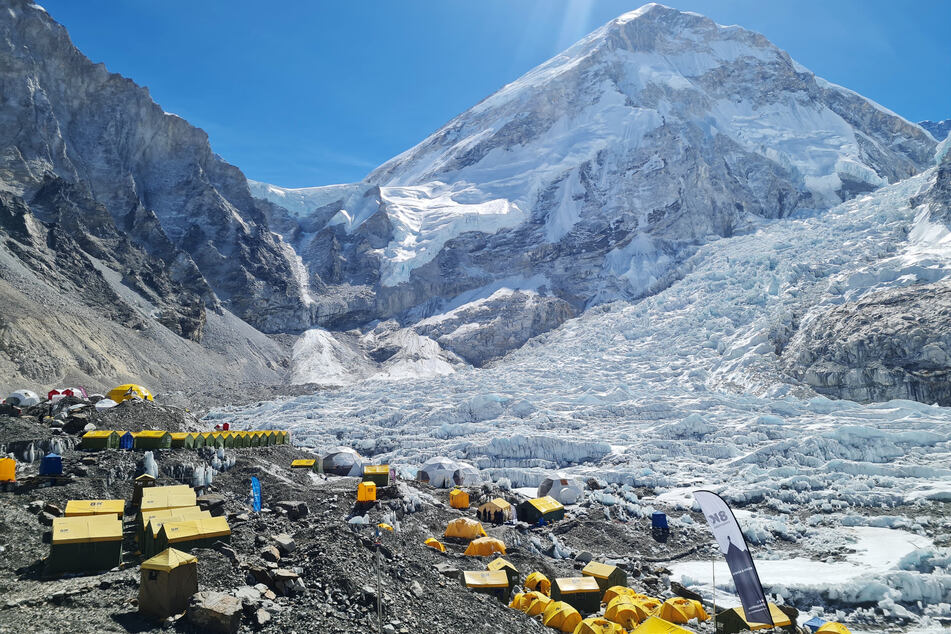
(596, 173)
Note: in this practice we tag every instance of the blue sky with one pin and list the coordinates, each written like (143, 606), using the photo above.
(313, 93)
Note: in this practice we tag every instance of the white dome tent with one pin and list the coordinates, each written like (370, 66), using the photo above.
(442, 472)
(23, 398)
(466, 475)
(562, 487)
(343, 461)
(105, 403)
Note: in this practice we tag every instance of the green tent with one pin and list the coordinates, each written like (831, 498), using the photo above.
(547, 509)
(168, 580)
(152, 440)
(85, 544)
(181, 440)
(100, 439)
(196, 533)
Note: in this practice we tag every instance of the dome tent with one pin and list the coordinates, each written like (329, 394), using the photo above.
(129, 391)
(23, 398)
(562, 487)
(466, 475)
(343, 461)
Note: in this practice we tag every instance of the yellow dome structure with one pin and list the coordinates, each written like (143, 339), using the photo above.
(535, 603)
(485, 547)
(129, 391)
(680, 610)
(464, 528)
(615, 591)
(654, 625)
(538, 581)
(435, 544)
(598, 625)
(624, 610)
(833, 627)
(561, 616)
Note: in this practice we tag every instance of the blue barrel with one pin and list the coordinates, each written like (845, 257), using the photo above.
(51, 465)
(659, 521)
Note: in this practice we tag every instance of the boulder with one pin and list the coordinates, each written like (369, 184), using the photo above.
(285, 543)
(271, 553)
(215, 504)
(287, 582)
(295, 509)
(215, 612)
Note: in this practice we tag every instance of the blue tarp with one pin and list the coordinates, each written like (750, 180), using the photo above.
(814, 623)
(659, 521)
(52, 464)
(126, 441)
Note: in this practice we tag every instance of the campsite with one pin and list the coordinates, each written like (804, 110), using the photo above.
(88, 539)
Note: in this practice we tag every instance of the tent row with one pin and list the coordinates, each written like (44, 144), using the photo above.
(125, 392)
(89, 535)
(109, 439)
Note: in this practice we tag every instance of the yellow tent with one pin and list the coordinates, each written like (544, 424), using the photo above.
(488, 510)
(80, 508)
(537, 603)
(153, 526)
(458, 499)
(833, 627)
(561, 616)
(680, 610)
(434, 543)
(158, 498)
(129, 391)
(385, 526)
(598, 625)
(366, 492)
(464, 528)
(616, 591)
(198, 533)
(303, 464)
(624, 610)
(538, 581)
(485, 547)
(654, 625)
(168, 581)
(86, 543)
(645, 608)
(516, 602)
(8, 470)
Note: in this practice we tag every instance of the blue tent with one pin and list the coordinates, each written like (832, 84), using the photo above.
(52, 464)
(659, 521)
(814, 623)
(126, 441)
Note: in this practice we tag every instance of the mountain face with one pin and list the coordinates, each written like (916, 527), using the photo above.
(593, 177)
(70, 125)
(938, 129)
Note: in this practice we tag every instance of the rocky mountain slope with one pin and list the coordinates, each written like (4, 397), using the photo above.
(595, 175)
(938, 129)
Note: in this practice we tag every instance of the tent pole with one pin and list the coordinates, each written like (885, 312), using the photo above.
(379, 592)
(713, 569)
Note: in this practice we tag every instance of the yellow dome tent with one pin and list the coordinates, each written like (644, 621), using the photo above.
(833, 627)
(532, 603)
(680, 610)
(538, 581)
(464, 528)
(485, 547)
(654, 625)
(561, 616)
(616, 591)
(598, 625)
(385, 526)
(8, 470)
(129, 391)
(434, 543)
(458, 499)
(624, 610)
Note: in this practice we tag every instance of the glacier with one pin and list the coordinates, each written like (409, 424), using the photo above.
(685, 389)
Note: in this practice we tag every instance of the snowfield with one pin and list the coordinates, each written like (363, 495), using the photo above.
(682, 390)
